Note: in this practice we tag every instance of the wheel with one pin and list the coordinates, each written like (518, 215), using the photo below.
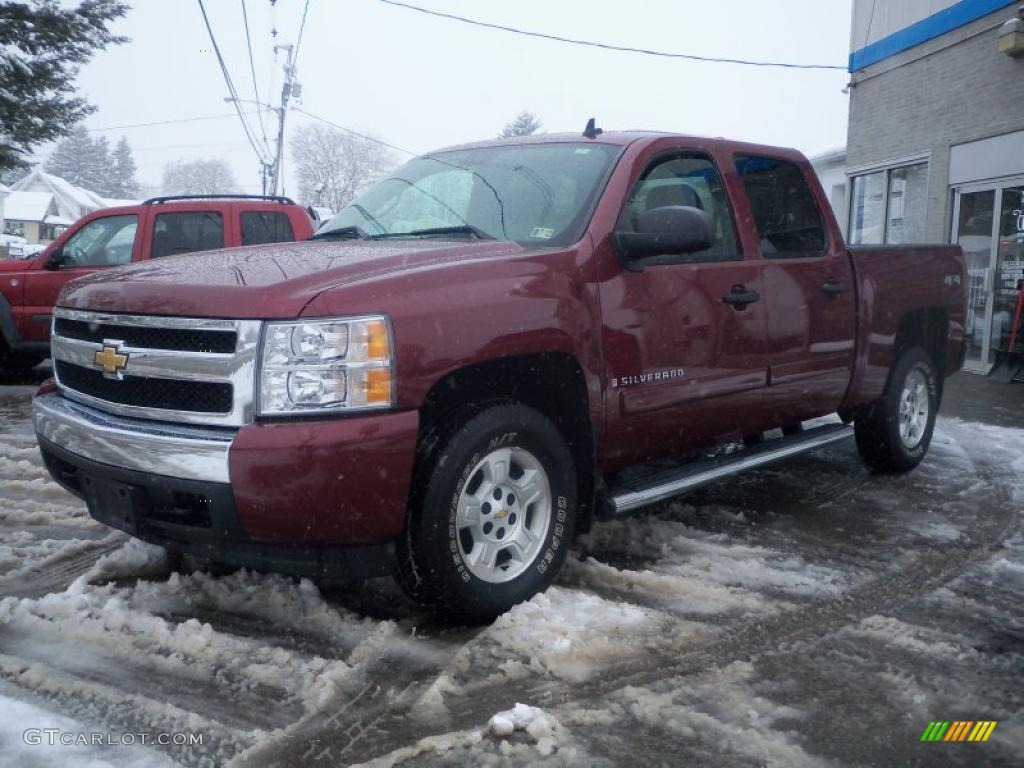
(492, 521)
(893, 434)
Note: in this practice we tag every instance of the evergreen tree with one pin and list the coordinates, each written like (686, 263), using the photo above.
(83, 161)
(42, 45)
(124, 184)
(525, 124)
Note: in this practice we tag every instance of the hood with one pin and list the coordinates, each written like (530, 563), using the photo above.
(264, 281)
(14, 265)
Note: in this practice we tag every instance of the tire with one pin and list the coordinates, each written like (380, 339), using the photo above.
(893, 434)
(473, 567)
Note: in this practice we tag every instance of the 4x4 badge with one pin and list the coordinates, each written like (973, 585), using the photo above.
(111, 360)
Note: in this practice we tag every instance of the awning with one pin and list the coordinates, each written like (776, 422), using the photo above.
(59, 221)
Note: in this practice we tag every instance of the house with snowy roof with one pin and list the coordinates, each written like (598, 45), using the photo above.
(72, 202)
(34, 216)
(4, 192)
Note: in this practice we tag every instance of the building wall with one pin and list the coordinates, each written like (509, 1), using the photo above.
(831, 172)
(949, 90)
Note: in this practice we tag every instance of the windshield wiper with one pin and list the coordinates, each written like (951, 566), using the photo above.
(461, 229)
(342, 233)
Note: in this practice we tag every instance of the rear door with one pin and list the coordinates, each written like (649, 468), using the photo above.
(808, 289)
(98, 243)
(683, 365)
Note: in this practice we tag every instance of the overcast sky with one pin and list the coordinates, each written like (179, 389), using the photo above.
(421, 82)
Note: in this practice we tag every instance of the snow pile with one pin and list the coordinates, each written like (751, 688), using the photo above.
(523, 735)
(572, 634)
(135, 558)
(542, 729)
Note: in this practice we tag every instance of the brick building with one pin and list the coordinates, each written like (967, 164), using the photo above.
(936, 142)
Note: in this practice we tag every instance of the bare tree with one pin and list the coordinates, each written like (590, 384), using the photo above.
(199, 177)
(333, 166)
(525, 124)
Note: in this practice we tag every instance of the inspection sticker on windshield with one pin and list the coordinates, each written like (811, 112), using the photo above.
(542, 233)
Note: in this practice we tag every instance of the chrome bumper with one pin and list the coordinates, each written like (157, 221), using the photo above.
(173, 450)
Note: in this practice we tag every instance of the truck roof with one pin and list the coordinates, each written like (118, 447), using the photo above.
(625, 138)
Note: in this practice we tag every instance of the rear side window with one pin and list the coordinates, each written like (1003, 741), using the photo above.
(266, 227)
(787, 217)
(692, 181)
(187, 231)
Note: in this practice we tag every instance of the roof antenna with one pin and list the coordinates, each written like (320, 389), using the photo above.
(592, 131)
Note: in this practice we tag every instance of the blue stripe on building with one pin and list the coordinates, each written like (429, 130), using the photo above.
(938, 24)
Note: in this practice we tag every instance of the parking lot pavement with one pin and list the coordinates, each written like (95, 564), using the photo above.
(807, 614)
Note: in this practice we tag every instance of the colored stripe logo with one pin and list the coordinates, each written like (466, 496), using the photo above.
(959, 730)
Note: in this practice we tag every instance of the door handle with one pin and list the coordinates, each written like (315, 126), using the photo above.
(833, 288)
(739, 296)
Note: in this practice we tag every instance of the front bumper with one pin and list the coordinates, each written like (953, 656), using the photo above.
(325, 497)
(181, 450)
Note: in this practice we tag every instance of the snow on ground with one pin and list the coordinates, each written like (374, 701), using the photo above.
(766, 621)
(32, 737)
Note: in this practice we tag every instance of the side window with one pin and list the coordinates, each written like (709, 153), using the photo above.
(105, 242)
(266, 227)
(786, 215)
(693, 181)
(187, 231)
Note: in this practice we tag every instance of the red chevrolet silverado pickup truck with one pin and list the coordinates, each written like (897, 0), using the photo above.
(485, 352)
(161, 226)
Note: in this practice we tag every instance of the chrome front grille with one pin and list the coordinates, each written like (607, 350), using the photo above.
(199, 371)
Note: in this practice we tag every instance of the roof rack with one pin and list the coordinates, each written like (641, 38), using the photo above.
(268, 198)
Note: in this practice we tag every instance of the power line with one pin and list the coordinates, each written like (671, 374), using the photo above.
(608, 46)
(230, 85)
(252, 69)
(166, 122)
(302, 27)
(355, 133)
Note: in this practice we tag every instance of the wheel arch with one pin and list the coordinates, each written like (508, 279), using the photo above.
(552, 382)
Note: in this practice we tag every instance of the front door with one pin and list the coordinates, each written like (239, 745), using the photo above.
(683, 333)
(989, 226)
(106, 241)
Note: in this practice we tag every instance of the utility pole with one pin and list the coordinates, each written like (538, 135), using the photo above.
(288, 89)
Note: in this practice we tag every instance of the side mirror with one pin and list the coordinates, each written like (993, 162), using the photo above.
(55, 260)
(674, 229)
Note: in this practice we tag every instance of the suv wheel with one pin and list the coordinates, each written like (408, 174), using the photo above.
(492, 524)
(894, 434)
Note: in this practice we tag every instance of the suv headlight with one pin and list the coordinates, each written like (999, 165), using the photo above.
(326, 365)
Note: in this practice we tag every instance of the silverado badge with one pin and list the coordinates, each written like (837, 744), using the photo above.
(111, 360)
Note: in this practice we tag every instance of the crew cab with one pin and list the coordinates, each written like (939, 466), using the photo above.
(486, 352)
(158, 227)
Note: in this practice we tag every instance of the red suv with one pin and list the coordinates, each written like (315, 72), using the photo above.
(160, 226)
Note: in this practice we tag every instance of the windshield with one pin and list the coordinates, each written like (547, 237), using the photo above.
(541, 194)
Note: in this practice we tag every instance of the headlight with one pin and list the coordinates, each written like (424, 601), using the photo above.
(323, 365)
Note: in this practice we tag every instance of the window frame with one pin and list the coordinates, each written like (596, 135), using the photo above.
(886, 169)
(827, 239)
(657, 159)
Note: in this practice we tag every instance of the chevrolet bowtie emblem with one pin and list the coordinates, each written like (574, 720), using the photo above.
(111, 361)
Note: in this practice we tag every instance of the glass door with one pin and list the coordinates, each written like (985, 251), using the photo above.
(975, 233)
(1009, 267)
(989, 226)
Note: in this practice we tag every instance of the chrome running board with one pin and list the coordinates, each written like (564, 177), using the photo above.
(647, 490)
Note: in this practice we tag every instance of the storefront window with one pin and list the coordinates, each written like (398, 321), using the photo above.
(868, 209)
(889, 206)
(908, 203)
